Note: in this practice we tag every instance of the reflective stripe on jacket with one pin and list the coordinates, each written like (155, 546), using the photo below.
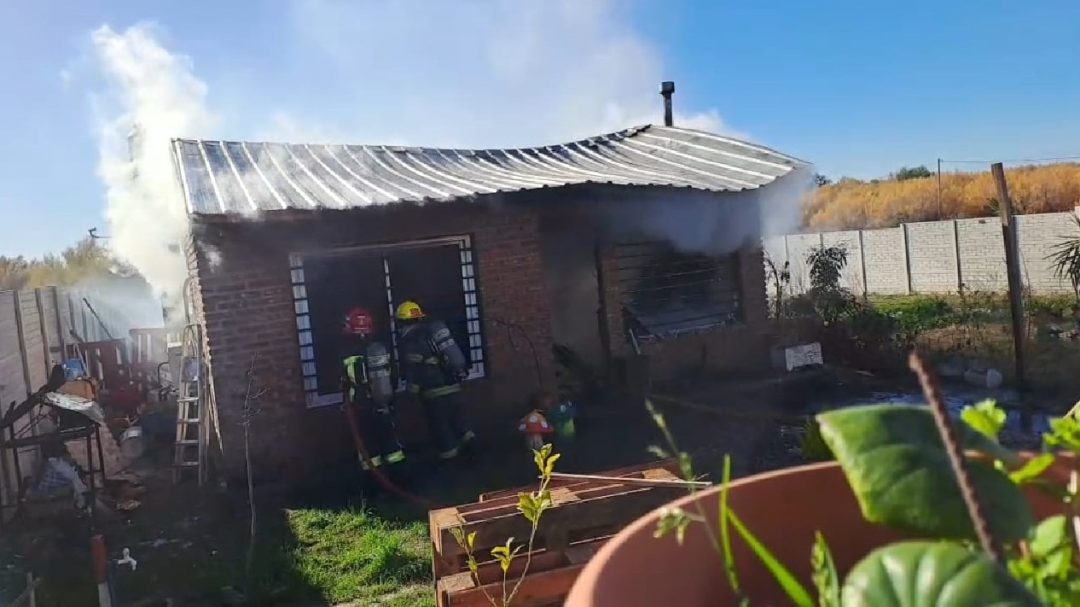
(355, 376)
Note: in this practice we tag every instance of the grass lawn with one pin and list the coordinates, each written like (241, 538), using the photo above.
(353, 555)
(309, 557)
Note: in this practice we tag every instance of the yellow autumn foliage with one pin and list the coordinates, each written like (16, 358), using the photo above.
(851, 203)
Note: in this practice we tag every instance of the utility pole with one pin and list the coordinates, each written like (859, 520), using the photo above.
(940, 212)
(1012, 266)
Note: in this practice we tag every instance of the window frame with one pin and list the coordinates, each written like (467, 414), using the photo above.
(733, 279)
(476, 347)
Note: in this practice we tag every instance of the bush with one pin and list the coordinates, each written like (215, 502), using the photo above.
(914, 314)
(1051, 306)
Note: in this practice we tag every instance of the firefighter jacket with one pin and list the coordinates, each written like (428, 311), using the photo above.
(367, 382)
(425, 368)
(366, 376)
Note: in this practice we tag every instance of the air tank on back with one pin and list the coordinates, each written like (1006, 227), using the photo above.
(443, 343)
(378, 371)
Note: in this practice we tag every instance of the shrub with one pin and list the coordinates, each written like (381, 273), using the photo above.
(914, 314)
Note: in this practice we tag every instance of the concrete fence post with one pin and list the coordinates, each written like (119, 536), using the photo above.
(907, 257)
(862, 263)
(791, 266)
(956, 256)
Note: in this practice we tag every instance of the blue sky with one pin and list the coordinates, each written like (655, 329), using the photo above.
(859, 88)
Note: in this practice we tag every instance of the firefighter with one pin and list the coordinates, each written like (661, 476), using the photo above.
(369, 392)
(434, 367)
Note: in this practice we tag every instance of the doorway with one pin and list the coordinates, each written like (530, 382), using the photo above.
(567, 247)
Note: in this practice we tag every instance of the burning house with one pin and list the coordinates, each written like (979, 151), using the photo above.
(516, 249)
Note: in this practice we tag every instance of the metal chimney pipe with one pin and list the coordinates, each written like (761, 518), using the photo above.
(667, 88)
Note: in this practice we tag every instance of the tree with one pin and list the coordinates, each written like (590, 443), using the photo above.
(821, 180)
(905, 173)
(13, 272)
(84, 260)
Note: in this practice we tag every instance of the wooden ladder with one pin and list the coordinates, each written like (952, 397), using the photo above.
(191, 404)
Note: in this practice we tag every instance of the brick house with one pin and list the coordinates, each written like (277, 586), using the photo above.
(516, 249)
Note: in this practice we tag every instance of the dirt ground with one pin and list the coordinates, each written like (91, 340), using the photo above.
(191, 544)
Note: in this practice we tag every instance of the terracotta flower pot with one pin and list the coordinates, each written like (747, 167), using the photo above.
(783, 509)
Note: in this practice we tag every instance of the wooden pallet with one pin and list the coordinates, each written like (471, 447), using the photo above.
(584, 514)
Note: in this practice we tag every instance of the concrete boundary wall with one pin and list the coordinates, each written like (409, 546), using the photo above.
(934, 256)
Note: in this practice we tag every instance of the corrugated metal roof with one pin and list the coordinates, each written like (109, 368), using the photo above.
(241, 177)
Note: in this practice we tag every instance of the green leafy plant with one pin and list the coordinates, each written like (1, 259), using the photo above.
(825, 578)
(984, 417)
(1065, 259)
(532, 506)
(826, 264)
(897, 466)
(903, 474)
(932, 573)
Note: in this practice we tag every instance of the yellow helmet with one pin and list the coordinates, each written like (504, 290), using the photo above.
(409, 310)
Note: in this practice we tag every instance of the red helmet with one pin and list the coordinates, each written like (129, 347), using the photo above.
(358, 321)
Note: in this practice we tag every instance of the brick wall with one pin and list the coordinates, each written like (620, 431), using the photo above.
(245, 300)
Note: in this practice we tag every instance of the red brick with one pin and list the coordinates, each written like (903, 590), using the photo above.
(247, 305)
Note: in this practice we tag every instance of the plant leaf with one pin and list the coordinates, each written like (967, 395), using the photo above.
(1033, 469)
(795, 591)
(672, 519)
(725, 534)
(985, 418)
(926, 574)
(1064, 433)
(459, 536)
(824, 574)
(540, 457)
(898, 469)
(549, 466)
(686, 466)
(1051, 542)
(659, 451)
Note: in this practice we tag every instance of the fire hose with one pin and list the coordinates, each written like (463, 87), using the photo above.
(383, 480)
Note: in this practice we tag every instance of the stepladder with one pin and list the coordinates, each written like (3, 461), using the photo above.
(191, 408)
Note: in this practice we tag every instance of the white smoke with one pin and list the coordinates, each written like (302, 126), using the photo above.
(427, 72)
(498, 73)
(702, 222)
(150, 95)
